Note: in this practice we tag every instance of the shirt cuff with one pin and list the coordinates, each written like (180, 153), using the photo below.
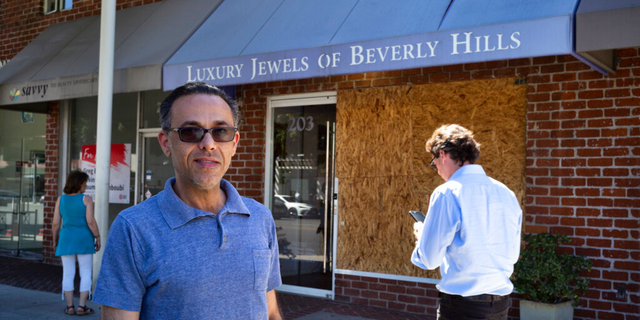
(117, 300)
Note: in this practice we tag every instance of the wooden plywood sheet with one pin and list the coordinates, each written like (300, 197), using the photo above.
(384, 168)
(378, 229)
(374, 133)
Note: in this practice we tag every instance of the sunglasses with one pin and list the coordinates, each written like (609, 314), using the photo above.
(196, 134)
(433, 165)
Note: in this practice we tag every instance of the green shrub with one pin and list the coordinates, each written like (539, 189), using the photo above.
(544, 275)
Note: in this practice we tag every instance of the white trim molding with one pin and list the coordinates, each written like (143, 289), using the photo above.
(329, 294)
(386, 276)
(294, 100)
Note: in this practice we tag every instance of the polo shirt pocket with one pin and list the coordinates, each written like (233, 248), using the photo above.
(261, 262)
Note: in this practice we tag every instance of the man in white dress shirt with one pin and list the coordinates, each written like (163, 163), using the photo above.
(472, 231)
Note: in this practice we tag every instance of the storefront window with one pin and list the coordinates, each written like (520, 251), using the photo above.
(150, 107)
(83, 131)
(22, 172)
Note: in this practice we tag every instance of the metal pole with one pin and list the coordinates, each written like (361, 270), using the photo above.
(327, 195)
(334, 190)
(103, 145)
(20, 207)
(33, 180)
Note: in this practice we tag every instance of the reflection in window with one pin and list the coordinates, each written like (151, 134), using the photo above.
(150, 107)
(299, 182)
(83, 127)
(66, 4)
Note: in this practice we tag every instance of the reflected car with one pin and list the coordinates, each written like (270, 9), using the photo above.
(294, 209)
(279, 210)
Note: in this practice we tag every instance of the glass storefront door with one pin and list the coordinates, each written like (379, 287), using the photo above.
(300, 189)
(22, 177)
(156, 167)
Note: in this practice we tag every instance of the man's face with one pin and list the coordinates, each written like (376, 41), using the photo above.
(199, 165)
(439, 163)
(445, 165)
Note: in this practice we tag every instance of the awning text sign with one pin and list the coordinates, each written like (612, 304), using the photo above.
(49, 89)
(530, 38)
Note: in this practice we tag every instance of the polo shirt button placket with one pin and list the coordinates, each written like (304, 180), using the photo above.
(224, 244)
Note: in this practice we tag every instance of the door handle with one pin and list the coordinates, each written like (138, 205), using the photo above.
(327, 201)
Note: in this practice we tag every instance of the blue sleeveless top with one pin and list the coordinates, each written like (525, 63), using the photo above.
(75, 235)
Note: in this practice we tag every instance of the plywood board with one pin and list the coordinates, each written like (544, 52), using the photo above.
(377, 228)
(375, 134)
(383, 166)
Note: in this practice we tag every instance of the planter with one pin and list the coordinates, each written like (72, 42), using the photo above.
(530, 310)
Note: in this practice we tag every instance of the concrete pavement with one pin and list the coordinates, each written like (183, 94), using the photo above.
(31, 290)
(20, 304)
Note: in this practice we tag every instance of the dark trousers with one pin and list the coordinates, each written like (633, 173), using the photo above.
(453, 309)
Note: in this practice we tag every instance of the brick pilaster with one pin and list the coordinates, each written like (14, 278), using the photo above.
(51, 181)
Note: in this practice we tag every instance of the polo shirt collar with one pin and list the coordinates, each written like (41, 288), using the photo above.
(468, 169)
(177, 213)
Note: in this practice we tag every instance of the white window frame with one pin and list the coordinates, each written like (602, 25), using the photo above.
(293, 100)
(58, 6)
(47, 4)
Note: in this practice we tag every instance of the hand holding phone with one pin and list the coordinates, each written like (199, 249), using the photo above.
(417, 226)
(417, 215)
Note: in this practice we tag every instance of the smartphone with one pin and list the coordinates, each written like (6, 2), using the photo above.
(417, 215)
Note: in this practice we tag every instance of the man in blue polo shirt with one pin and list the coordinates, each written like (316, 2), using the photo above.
(197, 250)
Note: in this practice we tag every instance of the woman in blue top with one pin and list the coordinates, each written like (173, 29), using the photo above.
(79, 238)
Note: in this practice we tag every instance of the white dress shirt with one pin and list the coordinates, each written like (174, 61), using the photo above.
(472, 232)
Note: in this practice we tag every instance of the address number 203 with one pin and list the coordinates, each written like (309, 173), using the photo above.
(301, 124)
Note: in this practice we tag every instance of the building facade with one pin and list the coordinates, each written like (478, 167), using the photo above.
(564, 137)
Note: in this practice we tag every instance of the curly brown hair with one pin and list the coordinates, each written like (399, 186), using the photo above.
(456, 141)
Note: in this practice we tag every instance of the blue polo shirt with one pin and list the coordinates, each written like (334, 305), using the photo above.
(168, 260)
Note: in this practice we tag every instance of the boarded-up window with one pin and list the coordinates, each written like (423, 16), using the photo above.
(383, 166)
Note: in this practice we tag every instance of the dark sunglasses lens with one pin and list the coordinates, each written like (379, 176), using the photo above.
(223, 134)
(191, 134)
(433, 166)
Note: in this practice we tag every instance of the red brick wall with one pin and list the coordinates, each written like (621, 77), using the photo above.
(583, 168)
(21, 21)
(392, 294)
(51, 181)
(247, 169)
(583, 173)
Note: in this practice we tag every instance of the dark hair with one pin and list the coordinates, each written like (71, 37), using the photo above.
(194, 88)
(74, 181)
(456, 141)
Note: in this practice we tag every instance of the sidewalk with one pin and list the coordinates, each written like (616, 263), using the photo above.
(19, 304)
(31, 290)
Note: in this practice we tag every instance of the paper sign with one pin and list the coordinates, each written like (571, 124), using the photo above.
(119, 173)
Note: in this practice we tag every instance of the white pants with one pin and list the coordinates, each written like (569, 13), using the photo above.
(85, 262)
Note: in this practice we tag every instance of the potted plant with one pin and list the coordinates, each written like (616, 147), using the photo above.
(549, 281)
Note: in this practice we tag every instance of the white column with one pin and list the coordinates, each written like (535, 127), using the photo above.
(103, 148)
